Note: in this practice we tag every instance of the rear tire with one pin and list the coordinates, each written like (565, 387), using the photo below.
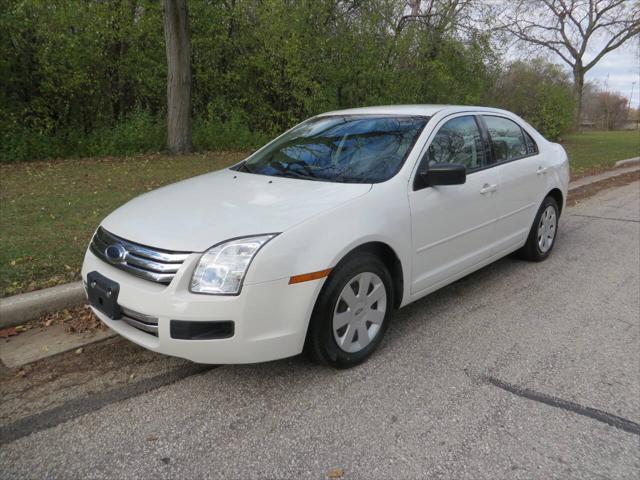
(543, 233)
(352, 312)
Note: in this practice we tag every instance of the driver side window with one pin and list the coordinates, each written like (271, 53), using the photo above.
(457, 141)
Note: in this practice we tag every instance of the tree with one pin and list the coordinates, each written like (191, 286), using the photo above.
(568, 28)
(178, 48)
(604, 110)
(90, 78)
(439, 16)
(538, 91)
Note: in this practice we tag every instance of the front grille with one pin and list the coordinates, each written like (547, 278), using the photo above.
(152, 264)
(143, 322)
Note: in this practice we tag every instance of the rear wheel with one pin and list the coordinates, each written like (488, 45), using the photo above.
(542, 236)
(352, 312)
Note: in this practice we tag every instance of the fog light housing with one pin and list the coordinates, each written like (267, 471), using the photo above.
(185, 330)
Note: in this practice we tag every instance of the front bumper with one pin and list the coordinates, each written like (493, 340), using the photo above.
(270, 318)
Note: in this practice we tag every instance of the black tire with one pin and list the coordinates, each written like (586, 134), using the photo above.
(531, 250)
(321, 344)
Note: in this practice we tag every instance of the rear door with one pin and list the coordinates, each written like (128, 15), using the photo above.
(521, 175)
(453, 226)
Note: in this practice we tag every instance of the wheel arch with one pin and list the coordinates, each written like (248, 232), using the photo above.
(391, 260)
(556, 194)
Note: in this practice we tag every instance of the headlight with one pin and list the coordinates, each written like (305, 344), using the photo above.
(222, 268)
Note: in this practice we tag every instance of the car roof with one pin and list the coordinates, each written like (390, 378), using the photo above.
(426, 110)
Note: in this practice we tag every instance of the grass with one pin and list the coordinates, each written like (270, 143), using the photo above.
(48, 210)
(590, 152)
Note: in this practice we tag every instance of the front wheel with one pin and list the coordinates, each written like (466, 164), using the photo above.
(542, 236)
(352, 312)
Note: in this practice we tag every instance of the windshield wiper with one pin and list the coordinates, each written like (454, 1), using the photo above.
(244, 167)
(294, 174)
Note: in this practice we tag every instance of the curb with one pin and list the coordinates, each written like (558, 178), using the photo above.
(27, 306)
(590, 180)
(628, 161)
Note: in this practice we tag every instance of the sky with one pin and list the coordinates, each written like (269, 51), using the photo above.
(618, 70)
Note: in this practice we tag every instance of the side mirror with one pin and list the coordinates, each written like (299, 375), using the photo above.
(442, 174)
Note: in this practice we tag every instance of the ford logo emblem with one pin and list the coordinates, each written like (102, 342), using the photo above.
(115, 253)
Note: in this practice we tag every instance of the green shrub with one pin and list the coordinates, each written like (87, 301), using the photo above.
(137, 132)
(538, 91)
(22, 144)
(214, 134)
(554, 115)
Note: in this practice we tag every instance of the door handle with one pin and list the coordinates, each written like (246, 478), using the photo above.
(486, 188)
(542, 171)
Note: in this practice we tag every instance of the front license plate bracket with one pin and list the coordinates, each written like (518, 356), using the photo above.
(103, 295)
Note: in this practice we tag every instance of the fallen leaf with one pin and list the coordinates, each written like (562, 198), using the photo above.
(336, 473)
(8, 332)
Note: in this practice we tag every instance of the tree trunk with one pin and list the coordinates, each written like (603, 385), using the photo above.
(178, 47)
(578, 85)
(415, 7)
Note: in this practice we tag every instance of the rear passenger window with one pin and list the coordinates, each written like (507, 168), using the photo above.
(457, 141)
(532, 148)
(507, 138)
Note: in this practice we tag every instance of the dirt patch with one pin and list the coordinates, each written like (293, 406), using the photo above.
(580, 194)
(74, 320)
(98, 367)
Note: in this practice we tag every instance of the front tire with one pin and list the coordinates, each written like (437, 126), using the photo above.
(352, 312)
(544, 230)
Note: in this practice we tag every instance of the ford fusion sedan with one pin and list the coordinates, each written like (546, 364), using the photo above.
(314, 240)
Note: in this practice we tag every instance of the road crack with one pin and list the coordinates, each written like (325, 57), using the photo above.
(593, 413)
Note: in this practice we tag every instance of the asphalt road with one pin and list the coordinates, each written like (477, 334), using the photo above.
(517, 371)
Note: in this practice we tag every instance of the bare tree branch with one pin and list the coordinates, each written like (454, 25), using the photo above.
(614, 42)
(567, 27)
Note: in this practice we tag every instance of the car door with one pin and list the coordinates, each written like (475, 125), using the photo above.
(521, 174)
(453, 226)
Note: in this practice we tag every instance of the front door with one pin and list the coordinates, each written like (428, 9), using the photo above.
(453, 226)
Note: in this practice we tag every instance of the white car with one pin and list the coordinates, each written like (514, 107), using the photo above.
(312, 241)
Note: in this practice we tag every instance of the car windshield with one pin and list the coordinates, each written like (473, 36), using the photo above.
(350, 149)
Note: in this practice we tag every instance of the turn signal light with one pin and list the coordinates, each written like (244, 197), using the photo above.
(305, 277)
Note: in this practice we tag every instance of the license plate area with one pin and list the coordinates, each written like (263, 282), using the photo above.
(103, 295)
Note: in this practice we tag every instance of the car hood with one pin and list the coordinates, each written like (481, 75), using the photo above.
(200, 212)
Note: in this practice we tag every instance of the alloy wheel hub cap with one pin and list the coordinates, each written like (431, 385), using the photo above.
(359, 312)
(547, 229)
